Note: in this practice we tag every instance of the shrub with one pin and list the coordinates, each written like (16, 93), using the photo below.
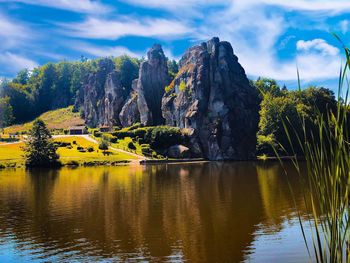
(182, 86)
(113, 140)
(164, 137)
(62, 144)
(72, 163)
(168, 88)
(97, 134)
(104, 144)
(131, 146)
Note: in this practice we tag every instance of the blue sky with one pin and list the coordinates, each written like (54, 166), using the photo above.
(270, 37)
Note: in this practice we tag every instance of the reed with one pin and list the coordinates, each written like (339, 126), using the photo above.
(326, 180)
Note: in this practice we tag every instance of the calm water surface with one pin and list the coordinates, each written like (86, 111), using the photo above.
(214, 212)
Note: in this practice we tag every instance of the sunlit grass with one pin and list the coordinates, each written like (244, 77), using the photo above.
(55, 119)
(13, 153)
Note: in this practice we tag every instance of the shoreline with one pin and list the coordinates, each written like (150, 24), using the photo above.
(144, 162)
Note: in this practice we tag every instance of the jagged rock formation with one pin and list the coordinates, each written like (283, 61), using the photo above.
(130, 114)
(153, 77)
(212, 95)
(102, 96)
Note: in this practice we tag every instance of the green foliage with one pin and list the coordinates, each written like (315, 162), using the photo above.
(265, 85)
(90, 149)
(279, 109)
(40, 149)
(168, 88)
(128, 68)
(173, 68)
(97, 134)
(182, 86)
(324, 174)
(104, 144)
(56, 85)
(6, 112)
(22, 77)
(131, 146)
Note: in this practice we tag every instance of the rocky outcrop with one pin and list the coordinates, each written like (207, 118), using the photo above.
(130, 114)
(212, 95)
(179, 152)
(102, 96)
(153, 78)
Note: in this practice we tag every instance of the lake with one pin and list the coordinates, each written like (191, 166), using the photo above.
(204, 212)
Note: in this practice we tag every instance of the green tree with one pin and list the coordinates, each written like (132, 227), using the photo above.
(40, 149)
(173, 68)
(129, 70)
(6, 115)
(104, 144)
(292, 110)
(20, 101)
(45, 90)
(22, 77)
(267, 85)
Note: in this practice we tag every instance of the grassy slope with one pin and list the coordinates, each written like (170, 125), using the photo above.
(12, 153)
(56, 119)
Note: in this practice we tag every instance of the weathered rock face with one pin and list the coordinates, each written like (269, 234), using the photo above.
(179, 151)
(130, 114)
(103, 96)
(153, 78)
(212, 95)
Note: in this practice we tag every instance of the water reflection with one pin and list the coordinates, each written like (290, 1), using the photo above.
(214, 212)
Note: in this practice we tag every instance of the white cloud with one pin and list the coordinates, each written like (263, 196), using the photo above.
(95, 28)
(344, 26)
(319, 45)
(255, 42)
(339, 6)
(13, 63)
(102, 51)
(12, 32)
(305, 5)
(172, 4)
(83, 6)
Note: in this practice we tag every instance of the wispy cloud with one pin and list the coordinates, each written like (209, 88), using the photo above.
(344, 26)
(102, 51)
(95, 28)
(305, 5)
(176, 4)
(255, 42)
(13, 63)
(83, 6)
(11, 32)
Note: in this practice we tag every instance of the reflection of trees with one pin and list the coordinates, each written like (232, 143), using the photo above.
(203, 210)
(276, 195)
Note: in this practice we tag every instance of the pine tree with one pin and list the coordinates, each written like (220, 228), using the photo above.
(40, 149)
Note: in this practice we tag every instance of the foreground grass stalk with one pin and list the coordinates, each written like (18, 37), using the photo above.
(326, 149)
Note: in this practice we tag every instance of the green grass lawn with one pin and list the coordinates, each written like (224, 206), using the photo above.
(12, 154)
(55, 119)
(123, 144)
